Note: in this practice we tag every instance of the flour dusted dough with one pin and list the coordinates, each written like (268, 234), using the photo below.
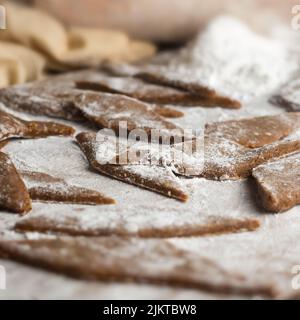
(129, 221)
(289, 95)
(50, 97)
(13, 193)
(279, 183)
(43, 187)
(237, 64)
(152, 93)
(155, 178)
(113, 111)
(58, 97)
(234, 148)
(121, 259)
(13, 127)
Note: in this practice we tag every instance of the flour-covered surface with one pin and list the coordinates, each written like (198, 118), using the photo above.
(61, 157)
(289, 95)
(236, 63)
(266, 255)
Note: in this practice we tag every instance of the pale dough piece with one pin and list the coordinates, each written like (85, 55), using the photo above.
(120, 259)
(90, 47)
(20, 64)
(35, 29)
(278, 183)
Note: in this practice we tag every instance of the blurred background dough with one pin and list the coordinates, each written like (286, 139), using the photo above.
(19, 64)
(163, 20)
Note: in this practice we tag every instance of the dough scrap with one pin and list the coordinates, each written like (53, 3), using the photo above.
(289, 96)
(13, 127)
(118, 112)
(132, 221)
(13, 193)
(56, 97)
(278, 183)
(152, 93)
(234, 148)
(156, 178)
(50, 97)
(43, 187)
(120, 259)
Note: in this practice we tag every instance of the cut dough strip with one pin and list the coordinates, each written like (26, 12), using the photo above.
(152, 93)
(13, 127)
(119, 259)
(13, 193)
(133, 221)
(279, 183)
(155, 178)
(43, 187)
(58, 97)
(289, 96)
(234, 148)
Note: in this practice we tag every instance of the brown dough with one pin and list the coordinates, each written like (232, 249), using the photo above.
(152, 93)
(56, 96)
(13, 127)
(52, 97)
(43, 187)
(3, 144)
(131, 220)
(155, 178)
(234, 148)
(108, 110)
(256, 132)
(279, 183)
(205, 96)
(121, 259)
(289, 96)
(13, 193)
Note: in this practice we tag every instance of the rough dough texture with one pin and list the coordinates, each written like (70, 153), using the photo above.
(234, 148)
(289, 96)
(128, 220)
(152, 93)
(235, 64)
(44, 187)
(155, 178)
(13, 127)
(279, 183)
(55, 96)
(110, 110)
(51, 97)
(121, 259)
(13, 193)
